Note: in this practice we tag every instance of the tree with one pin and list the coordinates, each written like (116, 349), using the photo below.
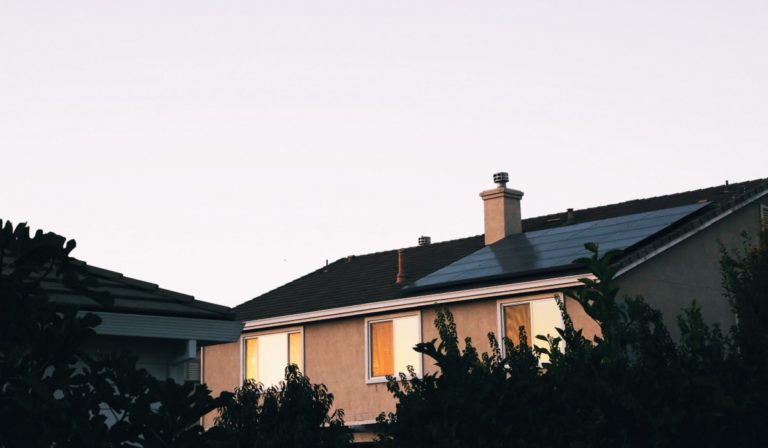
(295, 413)
(54, 394)
(633, 386)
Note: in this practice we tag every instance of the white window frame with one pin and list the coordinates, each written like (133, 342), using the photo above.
(255, 335)
(501, 303)
(367, 330)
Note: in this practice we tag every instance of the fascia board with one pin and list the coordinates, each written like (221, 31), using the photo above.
(689, 234)
(418, 301)
(167, 327)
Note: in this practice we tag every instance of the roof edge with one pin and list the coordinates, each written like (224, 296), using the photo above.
(688, 230)
(416, 302)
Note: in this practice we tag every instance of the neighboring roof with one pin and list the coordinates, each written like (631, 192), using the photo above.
(371, 278)
(134, 297)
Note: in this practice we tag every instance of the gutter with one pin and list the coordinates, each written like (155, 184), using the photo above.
(418, 301)
(166, 327)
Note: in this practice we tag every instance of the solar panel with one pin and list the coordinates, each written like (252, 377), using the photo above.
(556, 247)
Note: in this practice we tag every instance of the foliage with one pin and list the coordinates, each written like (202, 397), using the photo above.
(295, 413)
(51, 392)
(632, 386)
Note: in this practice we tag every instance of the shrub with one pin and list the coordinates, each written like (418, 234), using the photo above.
(295, 413)
(633, 387)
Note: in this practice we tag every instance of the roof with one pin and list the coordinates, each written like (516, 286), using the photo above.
(133, 296)
(554, 249)
(370, 278)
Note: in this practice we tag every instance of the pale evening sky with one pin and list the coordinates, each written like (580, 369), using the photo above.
(223, 148)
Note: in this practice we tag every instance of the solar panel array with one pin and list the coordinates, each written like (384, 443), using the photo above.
(557, 247)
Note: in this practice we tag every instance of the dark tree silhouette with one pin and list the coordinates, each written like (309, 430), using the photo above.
(51, 392)
(292, 414)
(634, 386)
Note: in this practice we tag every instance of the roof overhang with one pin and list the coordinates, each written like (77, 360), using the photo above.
(685, 235)
(523, 287)
(167, 327)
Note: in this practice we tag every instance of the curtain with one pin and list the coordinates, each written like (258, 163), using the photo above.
(382, 353)
(252, 359)
(294, 349)
(516, 316)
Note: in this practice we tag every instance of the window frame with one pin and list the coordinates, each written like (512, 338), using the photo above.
(367, 340)
(513, 301)
(257, 334)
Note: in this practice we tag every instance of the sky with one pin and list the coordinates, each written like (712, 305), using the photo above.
(223, 148)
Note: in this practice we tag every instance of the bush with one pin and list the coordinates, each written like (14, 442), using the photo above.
(295, 413)
(632, 387)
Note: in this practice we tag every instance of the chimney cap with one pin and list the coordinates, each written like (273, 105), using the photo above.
(425, 240)
(501, 178)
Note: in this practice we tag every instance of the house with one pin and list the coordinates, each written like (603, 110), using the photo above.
(354, 321)
(164, 329)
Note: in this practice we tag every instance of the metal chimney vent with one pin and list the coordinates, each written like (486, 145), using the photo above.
(425, 241)
(501, 178)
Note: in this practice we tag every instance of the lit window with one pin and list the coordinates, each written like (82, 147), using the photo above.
(390, 346)
(537, 317)
(267, 356)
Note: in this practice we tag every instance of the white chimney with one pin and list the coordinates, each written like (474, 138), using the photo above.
(502, 210)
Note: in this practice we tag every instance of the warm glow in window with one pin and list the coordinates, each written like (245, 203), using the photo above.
(391, 346)
(515, 318)
(267, 356)
(538, 317)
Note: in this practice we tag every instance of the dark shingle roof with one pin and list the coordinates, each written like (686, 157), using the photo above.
(134, 296)
(370, 278)
(355, 280)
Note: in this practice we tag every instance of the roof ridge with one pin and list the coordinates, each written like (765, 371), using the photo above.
(531, 218)
(413, 247)
(649, 198)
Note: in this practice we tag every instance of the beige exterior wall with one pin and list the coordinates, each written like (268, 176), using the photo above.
(221, 371)
(691, 270)
(335, 354)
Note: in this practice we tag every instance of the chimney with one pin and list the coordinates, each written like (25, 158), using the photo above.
(402, 274)
(425, 241)
(502, 210)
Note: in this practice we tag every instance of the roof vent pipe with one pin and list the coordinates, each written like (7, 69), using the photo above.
(501, 178)
(425, 241)
(402, 274)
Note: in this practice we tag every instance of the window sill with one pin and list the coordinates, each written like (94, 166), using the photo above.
(376, 380)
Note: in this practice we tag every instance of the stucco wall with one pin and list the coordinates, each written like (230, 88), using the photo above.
(334, 354)
(691, 270)
(220, 371)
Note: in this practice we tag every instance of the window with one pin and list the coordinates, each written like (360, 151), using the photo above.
(538, 317)
(390, 343)
(267, 356)
(764, 217)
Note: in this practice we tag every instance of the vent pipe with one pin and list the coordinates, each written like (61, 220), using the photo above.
(402, 273)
